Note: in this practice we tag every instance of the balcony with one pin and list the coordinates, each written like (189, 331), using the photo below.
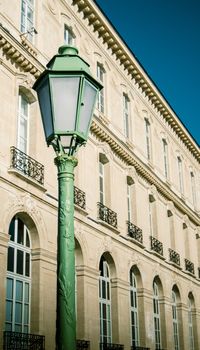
(156, 245)
(174, 257)
(135, 232)
(26, 165)
(79, 198)
(107, 215)
(111, 346)
(82, 344)
(23, 341)
(189, 266)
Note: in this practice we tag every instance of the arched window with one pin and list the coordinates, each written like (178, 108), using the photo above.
(156, 316)
(18, 278)
(190, 323)
(105, 303)
(175, 321)
(134, 310)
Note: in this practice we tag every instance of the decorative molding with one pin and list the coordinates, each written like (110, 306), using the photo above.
(128, 61)
(19, 53)
(104, 135)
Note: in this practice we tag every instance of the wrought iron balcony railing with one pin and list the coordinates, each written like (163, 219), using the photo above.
(107, 215)
(79, 198)
(82, 344)
(27, 165)
(135, 232)
(156, 245)
(23, 341)
(111, 346)
(174, 257)
(189, 266)
(139, 348)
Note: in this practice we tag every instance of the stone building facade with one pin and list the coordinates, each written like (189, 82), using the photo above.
(136, 197)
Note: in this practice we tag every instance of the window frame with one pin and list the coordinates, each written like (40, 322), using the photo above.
(134, 310)
(165, 158)
(175, 322)
(190, 325)
(24, 28)
(18, 278)
(22, 118)
(193, 188)
(148, 138)
(71, 36)
(100, 72)
(156, 317)
(180, 174)
(126, 116)
(105, 303)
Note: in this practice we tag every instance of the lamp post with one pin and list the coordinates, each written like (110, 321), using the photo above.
(67, 93)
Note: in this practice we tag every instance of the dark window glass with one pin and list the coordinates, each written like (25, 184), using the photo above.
(27, 239)
(20, 233)
(27, 265)
(12, 230)
(20, 262)
(103, 289)
(10, 261)
(9, 290)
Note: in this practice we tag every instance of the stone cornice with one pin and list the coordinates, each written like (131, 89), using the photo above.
(127, 60)
(23, 54)
(122, 151)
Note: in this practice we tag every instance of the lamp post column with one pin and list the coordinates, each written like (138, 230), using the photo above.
(66, 314)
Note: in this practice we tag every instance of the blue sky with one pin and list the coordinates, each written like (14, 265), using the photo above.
(164, 35)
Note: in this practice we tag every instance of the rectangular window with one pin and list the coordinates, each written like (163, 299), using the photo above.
(100, 97)
(129, 202)
(101, 183)
(148, 139)
(165, 157)
(126, 115)
(180, 174)
(22, 140)
(68, 36)
(27, 13)
(193, 186)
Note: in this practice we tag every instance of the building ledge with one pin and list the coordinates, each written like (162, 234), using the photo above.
(27, 179)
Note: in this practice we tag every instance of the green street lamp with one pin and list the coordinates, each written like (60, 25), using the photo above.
(67, 93)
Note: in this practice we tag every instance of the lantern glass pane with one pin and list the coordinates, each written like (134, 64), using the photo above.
(45, 106)
(87, 107)
(65, 95)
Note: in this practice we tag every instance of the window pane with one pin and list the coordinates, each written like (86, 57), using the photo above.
(27, 240)
(26, 314)
(18, 328)
(9, 311)
(20, 261)
(103, 289)
(20, 232)
(18, 312)
(12, 229)
(26, 293)
(9, 289)
(8, 327)
(19, 290)
(25, 329)
(27, 265)
(10, 261)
